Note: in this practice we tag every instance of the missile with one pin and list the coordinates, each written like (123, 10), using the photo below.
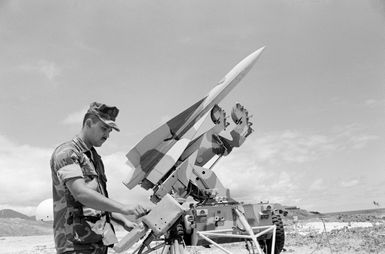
(158, 152)
(222, 89)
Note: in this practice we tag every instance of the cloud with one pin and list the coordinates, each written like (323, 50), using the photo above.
(291, 147)
(278, 165)
(373, 103)
(84, 46)
(352, 136)
(75, 118)
(350, 183)
(359, 142)
(48, 69)
(298, 147)
(26, 175)
(251, 181)
(117, 170)
(317, 185)
(264, 168)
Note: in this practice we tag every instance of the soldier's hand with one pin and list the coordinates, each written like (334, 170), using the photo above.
(129, 225)
(140, 211)
(137, 210)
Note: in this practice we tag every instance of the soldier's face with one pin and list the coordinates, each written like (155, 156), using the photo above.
(99, 132)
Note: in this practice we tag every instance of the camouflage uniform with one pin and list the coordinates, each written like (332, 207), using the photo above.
(73, 221)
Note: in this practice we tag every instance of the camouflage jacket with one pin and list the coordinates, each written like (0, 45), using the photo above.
(72, 160)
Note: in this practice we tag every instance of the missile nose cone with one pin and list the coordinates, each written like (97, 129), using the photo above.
(261, 49)
(255, 55)
(249, 61)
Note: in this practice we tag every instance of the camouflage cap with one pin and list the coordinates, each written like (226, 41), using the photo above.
(106, 114)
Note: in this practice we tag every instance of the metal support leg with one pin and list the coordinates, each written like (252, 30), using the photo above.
(248, 228)
(214, 243)
(273, 240)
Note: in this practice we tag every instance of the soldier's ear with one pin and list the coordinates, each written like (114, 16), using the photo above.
(88, 123)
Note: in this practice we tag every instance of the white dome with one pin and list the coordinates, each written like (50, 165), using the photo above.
(44, 211)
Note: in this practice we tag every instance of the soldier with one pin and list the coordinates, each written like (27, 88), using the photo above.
(82, 209)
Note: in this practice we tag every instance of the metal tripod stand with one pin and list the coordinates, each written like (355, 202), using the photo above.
(173, 242)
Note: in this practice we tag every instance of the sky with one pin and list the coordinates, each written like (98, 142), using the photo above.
(316, 94)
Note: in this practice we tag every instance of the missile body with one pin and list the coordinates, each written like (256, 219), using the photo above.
(158, 152)
(222, 88)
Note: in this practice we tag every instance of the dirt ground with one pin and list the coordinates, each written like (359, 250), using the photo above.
(345, 240)
(330, 234)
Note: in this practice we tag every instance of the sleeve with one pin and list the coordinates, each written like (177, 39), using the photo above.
(67, 165)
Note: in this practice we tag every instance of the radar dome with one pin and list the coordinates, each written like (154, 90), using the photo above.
(44, 211)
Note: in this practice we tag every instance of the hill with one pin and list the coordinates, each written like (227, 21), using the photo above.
(24, 227)
(355, 212)
(9, 213)
(13, 223)
(354, 215)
